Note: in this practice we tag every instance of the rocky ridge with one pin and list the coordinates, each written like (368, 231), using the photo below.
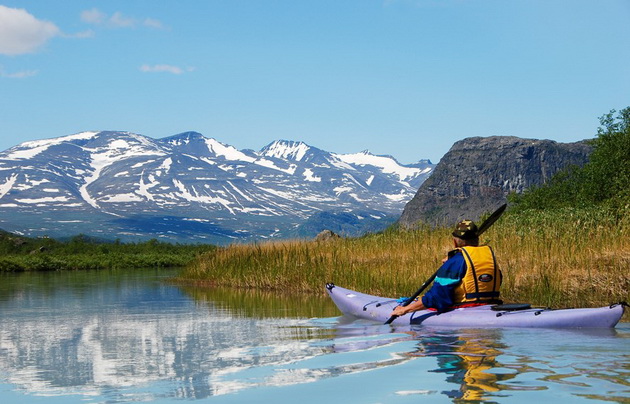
(478, 173)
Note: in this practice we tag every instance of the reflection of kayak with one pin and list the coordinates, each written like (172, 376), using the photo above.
(379, 309)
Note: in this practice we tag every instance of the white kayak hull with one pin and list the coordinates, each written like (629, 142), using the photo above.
(378, 309)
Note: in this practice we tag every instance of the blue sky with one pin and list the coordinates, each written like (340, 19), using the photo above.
(401, 77)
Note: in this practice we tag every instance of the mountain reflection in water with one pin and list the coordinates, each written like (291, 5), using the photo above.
(117, 336)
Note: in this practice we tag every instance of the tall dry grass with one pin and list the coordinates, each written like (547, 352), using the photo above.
(567, 257)
(564, 258)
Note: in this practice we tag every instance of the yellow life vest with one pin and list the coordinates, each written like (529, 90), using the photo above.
(483, 278)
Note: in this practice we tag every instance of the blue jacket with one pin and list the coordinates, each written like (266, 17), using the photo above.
(449, 275)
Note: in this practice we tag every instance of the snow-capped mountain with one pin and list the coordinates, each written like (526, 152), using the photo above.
(191, 188)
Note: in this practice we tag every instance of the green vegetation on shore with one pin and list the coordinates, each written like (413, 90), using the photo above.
(44, 254)
(566, 244)
(568, 257)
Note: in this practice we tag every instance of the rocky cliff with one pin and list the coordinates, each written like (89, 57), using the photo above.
(477, 174)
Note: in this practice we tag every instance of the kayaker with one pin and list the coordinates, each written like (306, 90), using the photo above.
(469, 275)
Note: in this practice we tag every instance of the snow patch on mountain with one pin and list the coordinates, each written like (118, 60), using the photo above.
(143, 188)
(195, 196)
(166, 164)
(241, 193)
(117, 198)
(272, 165)
(388, 164)
(340, 190)
(397, 197)
(43, 200)
(310, 176)
(227, 152)
(8, 184)
(31, 149)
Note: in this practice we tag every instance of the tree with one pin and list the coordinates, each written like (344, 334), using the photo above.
(604, 180)
(608, 171)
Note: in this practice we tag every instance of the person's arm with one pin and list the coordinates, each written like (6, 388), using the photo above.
(439, 296)
(450, 275)
(411, 307)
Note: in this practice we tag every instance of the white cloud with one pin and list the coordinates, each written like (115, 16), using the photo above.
(165, 69)
(17, 75)
(83, 34)
(117, 20)
(93, 16)
(21, 32)
(21, 75)
(120, 20)
(153, 23)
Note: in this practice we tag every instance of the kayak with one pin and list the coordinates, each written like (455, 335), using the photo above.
(377, 308)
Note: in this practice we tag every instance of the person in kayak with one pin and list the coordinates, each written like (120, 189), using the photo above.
(469, 276)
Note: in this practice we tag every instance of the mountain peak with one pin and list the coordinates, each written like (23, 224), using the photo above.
(32, 148)
(286, 149)
(183, 138)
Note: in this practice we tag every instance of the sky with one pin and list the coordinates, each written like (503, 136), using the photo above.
(406, 78)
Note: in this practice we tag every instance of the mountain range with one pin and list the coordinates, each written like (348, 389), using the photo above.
(189, 188)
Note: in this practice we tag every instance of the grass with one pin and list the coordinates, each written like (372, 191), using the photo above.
(567, 257)
(564, 258)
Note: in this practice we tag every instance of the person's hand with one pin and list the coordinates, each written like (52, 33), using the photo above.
(399, 311)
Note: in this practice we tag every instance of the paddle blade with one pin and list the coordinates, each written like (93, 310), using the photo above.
(392, 318)
(491, 219)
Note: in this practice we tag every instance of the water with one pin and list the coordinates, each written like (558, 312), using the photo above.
(116, 336)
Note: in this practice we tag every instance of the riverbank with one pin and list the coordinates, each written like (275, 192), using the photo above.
(20, 254)
(563, 258)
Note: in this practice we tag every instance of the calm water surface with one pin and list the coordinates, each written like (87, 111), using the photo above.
(117, 336)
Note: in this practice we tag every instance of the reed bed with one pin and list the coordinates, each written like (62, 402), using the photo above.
(564, 258)
(568, 257)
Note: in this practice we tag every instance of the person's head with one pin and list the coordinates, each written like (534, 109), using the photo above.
(465, 234)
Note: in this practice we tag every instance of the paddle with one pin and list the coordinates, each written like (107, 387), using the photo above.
(484, 226)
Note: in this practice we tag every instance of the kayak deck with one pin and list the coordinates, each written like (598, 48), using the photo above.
(377, 308)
